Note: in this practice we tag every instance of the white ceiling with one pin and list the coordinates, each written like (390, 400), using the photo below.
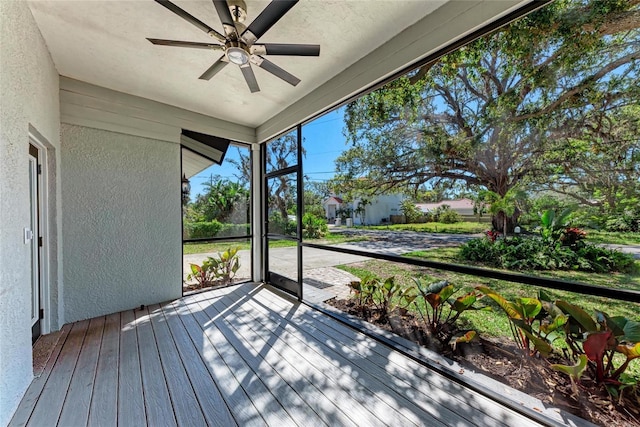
(103, 43)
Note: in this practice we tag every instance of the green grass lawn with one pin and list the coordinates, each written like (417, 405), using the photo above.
(434, 227)
(205, 248)
(612, 237)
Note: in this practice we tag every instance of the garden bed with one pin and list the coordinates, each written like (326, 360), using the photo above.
(501, 360)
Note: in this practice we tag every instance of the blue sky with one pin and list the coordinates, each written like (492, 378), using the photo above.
(323, 142)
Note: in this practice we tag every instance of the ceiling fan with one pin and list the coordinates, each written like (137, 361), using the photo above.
(238, 43)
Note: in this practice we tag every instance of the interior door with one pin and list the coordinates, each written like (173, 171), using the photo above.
(31, 238)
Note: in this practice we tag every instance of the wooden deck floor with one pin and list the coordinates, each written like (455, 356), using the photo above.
(240, 356)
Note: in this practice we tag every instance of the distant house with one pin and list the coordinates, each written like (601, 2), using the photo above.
(331, 206)
(379, 211)
(462, 206)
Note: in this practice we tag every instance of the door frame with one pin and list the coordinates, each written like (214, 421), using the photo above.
(294, 287)
(38, 141)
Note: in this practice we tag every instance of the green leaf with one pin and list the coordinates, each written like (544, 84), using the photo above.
(446, 292)
(616, 324)
(195, 268)
(580, 316)
(557, 322)
(508, 307)
(574, 371)
(539, 344)
(547, 218)
(437, 287)
(530, 307)
(464, 302)
(631, 332)
(543, 296)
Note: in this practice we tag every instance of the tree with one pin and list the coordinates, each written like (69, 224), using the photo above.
(281, 153)
(500, 111)
(504, 207)
(223, 200)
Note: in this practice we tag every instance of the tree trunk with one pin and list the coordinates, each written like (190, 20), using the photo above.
(501, 220)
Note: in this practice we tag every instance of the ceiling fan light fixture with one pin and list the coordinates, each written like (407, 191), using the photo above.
(237, 55)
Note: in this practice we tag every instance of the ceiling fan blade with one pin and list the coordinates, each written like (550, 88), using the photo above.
(214, 69)
(286, 49)
(267, 18)
(250, 78)
(269, 66)
(179, 43)
(225, 17)
(191, 19)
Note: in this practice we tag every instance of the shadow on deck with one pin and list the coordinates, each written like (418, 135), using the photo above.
(241, 355)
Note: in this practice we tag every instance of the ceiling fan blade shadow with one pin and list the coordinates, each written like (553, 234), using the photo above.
(267, 18)
(191, 19)
(269, 66)
(225, 17)
(250, 77)
(214, 69)
(286, 49)
(180, 43)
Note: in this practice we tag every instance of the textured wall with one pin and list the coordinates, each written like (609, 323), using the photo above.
(121, 221)
(29, 95)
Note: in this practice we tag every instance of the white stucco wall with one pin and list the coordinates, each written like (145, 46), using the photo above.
(121, 221)
(28, 96)
(380, 207)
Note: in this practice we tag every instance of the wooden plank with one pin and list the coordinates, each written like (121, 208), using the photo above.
(359, 402)
(262, 395)
(213, 406)
(76, 405)
(227, 380)
(185, 403)
(326, 384)
(288, 393)
(130, 394)
(30, 398)
(433, 387)
(104, 401)
(385, 403)
(49, 405)
(157, 401)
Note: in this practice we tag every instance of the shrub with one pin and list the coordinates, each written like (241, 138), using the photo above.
(234, 230)
(600, 339)
(533, 327)
(520, 253)
(202, 229)
(410, 211)
(449, 216)
(441, 311)
(218, 269)
(313, 227)
(280, 225)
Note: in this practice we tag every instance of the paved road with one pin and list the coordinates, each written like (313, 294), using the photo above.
(319, 270)
(322, 280)
(382, 241)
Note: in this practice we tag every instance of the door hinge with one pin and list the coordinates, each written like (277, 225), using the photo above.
(41, 314)
(39, 169)
(40, 241)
